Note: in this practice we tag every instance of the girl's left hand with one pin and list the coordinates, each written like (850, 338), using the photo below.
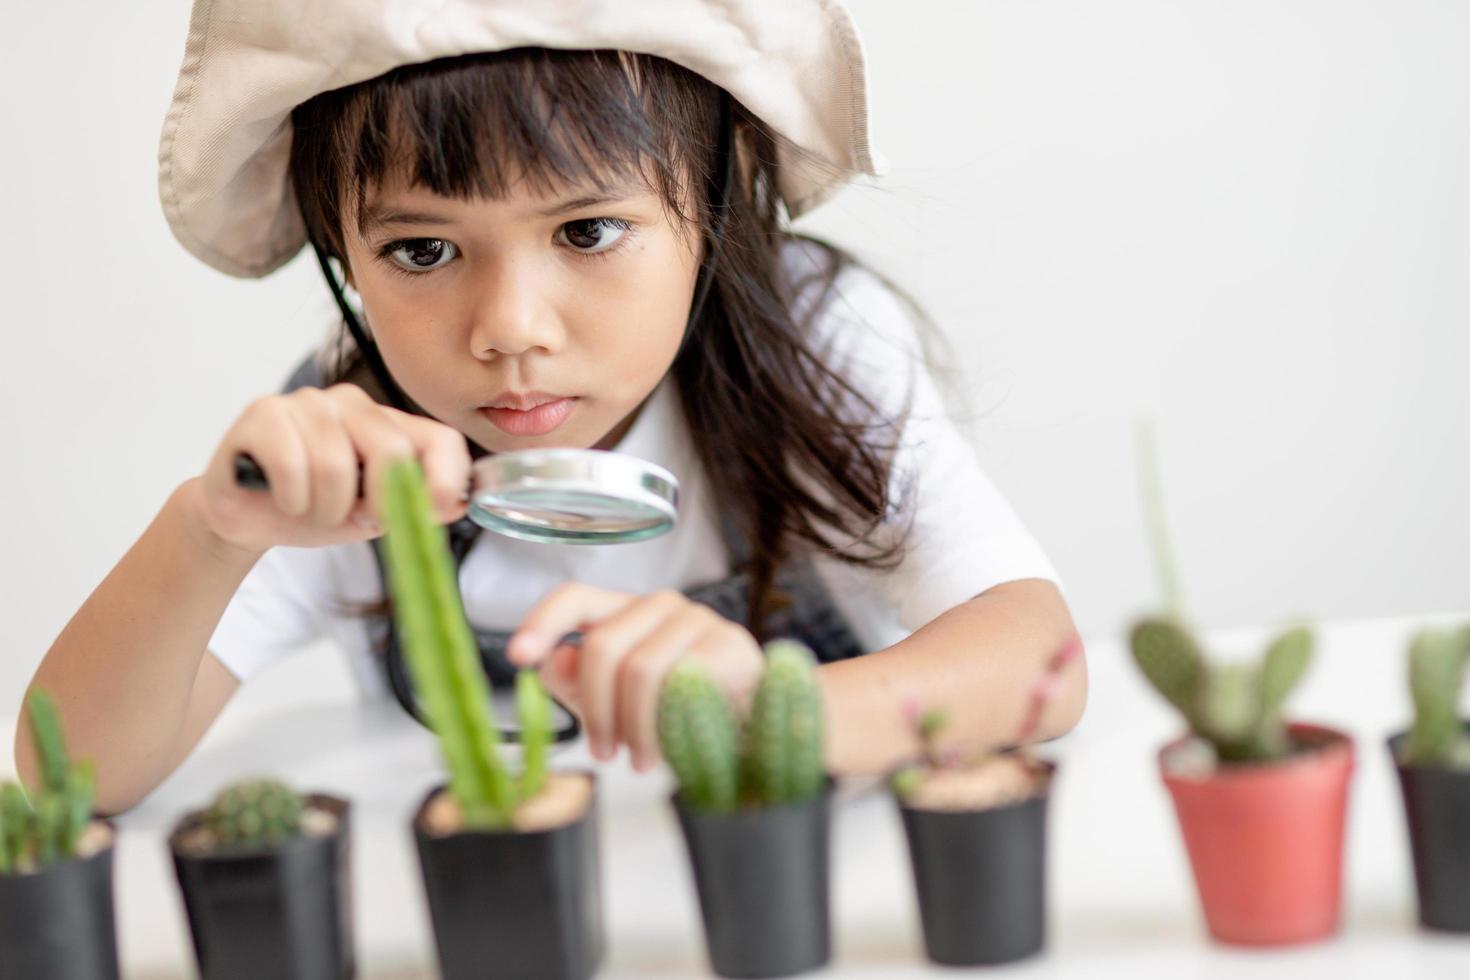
(629, 643)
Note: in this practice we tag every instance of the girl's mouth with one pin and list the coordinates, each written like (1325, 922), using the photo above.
(537, 421)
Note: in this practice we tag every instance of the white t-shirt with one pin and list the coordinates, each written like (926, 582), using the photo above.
(965, 538)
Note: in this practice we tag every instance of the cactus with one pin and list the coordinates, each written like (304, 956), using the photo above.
(1170, 659)
(533, 708)
(254, 814)
(445, 665)
(699, 738)
(783, 737)
(1235, 707)
(1437, 663)
(776, 759)
(44, 828)
(50, 748)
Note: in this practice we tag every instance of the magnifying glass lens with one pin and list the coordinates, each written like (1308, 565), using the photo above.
(573, 496)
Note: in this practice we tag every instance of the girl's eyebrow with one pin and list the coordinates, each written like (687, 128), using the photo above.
(377, 215)
(591, 200)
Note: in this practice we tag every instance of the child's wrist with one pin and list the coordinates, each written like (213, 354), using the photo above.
(185, 503)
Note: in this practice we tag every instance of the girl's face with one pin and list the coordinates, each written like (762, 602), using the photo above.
(577, 295)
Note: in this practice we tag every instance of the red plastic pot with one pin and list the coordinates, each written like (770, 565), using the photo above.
(1265, 839)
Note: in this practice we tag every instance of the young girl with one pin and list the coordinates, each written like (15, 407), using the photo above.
(565, 225)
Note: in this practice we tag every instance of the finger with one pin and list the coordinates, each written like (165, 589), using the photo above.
(641, 678)
(267, 431)
(559, 677)
(332, 459)
(445, 454)
(379, 442)
(603, 650)
(564, 610)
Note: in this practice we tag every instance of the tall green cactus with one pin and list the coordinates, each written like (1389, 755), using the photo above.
(46, 827)
(444, 661)
(775, 760)
(1437, 662)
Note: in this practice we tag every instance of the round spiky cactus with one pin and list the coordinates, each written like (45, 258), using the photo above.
(254, 813)
(698, 736)
(783, 738)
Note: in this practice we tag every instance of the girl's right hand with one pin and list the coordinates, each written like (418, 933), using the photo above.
(310, 443)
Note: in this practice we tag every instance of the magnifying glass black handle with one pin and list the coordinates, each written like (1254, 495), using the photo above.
(249, 475)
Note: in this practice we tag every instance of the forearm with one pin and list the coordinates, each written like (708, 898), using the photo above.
(978, 663)
(124, 669)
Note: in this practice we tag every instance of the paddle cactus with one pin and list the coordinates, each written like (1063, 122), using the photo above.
(774, 760)
(444, 661)
(1437, 661)
(1235, 707)
(254, 814)
(45, 827)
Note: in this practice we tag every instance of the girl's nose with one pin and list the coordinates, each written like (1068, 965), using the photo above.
(513, 315)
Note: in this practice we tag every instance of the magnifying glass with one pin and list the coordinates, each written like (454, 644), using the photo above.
(554, 496)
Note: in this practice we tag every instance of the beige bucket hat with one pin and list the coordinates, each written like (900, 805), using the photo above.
(223, 158)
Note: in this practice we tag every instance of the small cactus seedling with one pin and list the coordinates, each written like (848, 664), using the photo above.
(45, 827)
(1234, 707)
(445, 665)
(254, 814)
(774, 760)
(1437, 661)
(927, 725)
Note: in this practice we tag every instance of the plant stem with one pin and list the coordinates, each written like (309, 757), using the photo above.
(1158, 526)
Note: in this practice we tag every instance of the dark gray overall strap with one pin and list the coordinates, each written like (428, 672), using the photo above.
(800, 607)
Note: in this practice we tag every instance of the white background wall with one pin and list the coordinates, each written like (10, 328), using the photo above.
(1247, 217)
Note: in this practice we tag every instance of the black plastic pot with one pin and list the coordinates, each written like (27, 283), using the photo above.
(1437, 805)
(515, 905)
(762, 879)
(57, 923)
(285, 912)
(980, 876)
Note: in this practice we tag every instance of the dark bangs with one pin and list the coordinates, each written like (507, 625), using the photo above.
(477, 125)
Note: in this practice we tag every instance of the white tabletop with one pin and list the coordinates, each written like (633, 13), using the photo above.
(1122, 900)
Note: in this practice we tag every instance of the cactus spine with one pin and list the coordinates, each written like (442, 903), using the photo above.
(1437, 663)
(254, 814)
(45, 828)
(776, 760)
(444, 663)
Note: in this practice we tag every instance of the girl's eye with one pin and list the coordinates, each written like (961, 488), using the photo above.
(421, 254)
(593, 235)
